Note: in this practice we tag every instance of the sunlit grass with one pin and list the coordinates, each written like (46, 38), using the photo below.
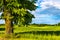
(32, 36)
(37, 37)
(33, 28)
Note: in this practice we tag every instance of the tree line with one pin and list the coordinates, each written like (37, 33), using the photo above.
(41, 25)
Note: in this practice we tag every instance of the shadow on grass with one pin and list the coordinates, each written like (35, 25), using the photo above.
(40, 32)
(2, 29)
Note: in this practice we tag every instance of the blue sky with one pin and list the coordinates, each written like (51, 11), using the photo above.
(1, 20)
(48, 12)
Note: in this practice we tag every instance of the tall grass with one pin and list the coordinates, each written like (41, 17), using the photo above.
(36, 37)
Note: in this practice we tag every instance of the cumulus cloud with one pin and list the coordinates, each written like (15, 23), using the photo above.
(45, 19)
(47, 3)
(44, 4)
(48, 12)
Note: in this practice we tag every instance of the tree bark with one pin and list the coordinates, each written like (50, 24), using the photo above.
(8, 23)
(8, 20)
(8, 27)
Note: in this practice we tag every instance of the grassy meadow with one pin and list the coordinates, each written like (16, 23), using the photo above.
(33, 32)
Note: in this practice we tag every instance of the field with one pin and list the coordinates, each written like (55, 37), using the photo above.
(33, 33)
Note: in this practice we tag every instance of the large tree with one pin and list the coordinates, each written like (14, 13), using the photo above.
(13, 11)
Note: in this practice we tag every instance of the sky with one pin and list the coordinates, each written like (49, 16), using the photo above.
(1, 20)
(47, 12)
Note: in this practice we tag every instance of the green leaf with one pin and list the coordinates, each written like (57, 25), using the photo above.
(18, 10)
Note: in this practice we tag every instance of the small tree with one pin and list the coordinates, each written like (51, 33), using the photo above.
(15, 11)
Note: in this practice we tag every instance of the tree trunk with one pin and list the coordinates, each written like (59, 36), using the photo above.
(8, 20)
(8, 27)
(8, 23)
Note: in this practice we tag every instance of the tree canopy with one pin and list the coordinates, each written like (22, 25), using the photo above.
(18, 10)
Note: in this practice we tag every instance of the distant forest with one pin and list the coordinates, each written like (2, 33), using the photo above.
(58, 24)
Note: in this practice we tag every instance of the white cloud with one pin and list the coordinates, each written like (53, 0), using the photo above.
(45, 19)
(2, 21)
(0, 13)
(47, 3)
(44, 4)
(49, 9)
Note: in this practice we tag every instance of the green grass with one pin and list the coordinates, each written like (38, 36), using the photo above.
(33, 28)
(35, 37)
(39, 37)
(33, 33)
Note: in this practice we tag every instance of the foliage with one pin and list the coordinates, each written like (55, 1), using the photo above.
(18, 10)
